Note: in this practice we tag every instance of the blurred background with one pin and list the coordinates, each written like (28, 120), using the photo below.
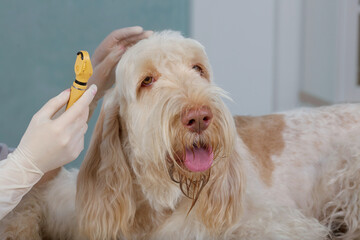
(270, 55)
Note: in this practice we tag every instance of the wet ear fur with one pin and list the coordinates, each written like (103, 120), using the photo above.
(105, 197)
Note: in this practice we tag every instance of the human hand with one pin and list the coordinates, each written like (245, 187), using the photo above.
(108, 54)
(50, 143)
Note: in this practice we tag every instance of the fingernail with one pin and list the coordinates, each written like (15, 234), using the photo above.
(149, 33)
(93, 89)
(138, 29)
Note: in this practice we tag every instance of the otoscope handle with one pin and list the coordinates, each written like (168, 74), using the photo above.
(83, 71)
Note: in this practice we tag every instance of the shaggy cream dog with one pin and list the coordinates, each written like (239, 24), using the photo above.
(168, 161)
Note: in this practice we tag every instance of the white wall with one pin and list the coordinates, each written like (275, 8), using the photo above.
(320, 52)
(331, 50)
(239, 38)
(254, 47)
(348, 88)
(266, 52)
(288, 54)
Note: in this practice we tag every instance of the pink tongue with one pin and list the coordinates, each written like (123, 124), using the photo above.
(198, 159)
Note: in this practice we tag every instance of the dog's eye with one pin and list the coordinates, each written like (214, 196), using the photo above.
(198, 69)
(148, 81)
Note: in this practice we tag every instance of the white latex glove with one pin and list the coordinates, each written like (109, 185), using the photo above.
(17, 176)
(50, 143)
(47, 144)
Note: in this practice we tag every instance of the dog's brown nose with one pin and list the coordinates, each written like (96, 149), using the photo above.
(197, 119)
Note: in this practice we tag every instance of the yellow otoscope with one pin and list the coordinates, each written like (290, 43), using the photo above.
(83, 71)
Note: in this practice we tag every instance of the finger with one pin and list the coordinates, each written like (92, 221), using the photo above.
(122, 33)
(54, 105)
(128, 42)
(111, 40)
(81, 105)
(84, 129)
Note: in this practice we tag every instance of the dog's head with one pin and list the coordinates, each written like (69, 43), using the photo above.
(163, 127)
(173, 113)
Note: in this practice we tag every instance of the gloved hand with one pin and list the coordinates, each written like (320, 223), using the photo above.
(50, 143)
(108, 54)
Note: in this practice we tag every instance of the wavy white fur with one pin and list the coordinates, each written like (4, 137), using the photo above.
(292, 175)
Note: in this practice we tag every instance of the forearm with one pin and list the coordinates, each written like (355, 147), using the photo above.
(99, 95)
(17, 177)
(92, 108)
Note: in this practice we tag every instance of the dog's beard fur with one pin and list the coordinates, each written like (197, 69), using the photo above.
(192, 183)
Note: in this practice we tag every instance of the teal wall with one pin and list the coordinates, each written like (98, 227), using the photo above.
(39, 39)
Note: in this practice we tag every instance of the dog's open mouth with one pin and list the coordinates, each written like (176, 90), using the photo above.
(198, 159)
(192, 169)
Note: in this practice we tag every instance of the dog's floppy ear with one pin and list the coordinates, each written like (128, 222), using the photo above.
(104, 199)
